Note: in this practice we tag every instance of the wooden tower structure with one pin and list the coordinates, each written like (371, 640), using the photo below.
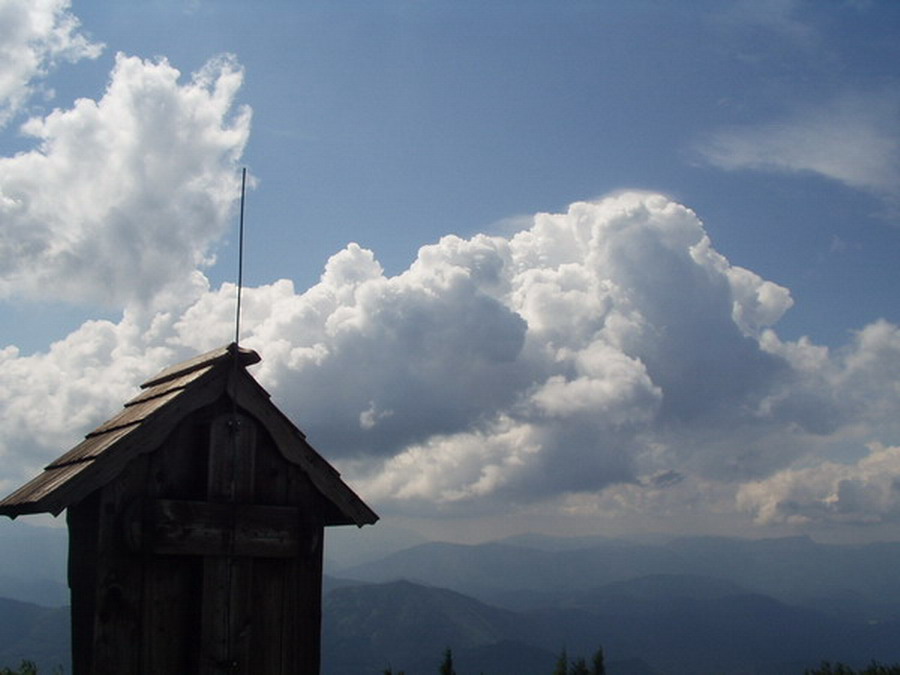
(196, 520)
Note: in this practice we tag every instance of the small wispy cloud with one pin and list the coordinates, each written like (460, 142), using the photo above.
(776, 18)
(853, 139)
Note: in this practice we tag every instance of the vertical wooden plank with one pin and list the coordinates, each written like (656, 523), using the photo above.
(309, 601)
(306, 575)
(241, 628)
(291, 610)
(172, 585)
(272, 474)
(178, 467)
(82, 522)
(270, 596)
(171, 614)
(227, 583)
(273, 611)
(117, 624)
(231, 458)
(215, 657)
(226, 632)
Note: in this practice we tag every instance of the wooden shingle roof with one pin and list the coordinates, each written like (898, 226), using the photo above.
(150, 417)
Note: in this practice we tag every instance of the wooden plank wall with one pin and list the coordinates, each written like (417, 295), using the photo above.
(137, 612)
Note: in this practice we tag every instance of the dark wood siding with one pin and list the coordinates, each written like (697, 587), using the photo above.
(202, 557)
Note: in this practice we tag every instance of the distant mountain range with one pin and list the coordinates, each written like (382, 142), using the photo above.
(33, 563)
(690, 605)
(686, 607)
(669, 625)
(39, 634)
(863, 580)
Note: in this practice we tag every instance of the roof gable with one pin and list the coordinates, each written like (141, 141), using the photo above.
(147, 420)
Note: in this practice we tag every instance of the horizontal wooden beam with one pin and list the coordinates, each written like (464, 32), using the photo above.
(175, 527)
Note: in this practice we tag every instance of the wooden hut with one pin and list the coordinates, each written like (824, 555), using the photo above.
(196, 520)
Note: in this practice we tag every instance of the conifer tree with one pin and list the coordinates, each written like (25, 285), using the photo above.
(579, 667)
(447, 664)
(599, 665)
(562, 664)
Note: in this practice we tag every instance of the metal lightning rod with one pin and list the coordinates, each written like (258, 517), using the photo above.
(240, 279)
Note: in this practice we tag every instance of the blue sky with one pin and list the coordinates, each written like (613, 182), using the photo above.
(729, 328)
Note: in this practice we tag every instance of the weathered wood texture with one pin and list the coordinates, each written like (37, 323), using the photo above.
(203, 557)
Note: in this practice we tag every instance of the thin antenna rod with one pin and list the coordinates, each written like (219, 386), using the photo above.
(240, 279)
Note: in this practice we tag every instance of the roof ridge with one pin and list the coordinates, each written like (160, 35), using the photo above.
(245, 357)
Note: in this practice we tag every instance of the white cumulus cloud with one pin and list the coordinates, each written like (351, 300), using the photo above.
(602, 359)
(867, 491)
(122, 197)
(34, 35)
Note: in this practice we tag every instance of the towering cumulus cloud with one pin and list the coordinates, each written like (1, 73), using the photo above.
(608, 350)
(122, 198)
(550, 362)
(603, 360)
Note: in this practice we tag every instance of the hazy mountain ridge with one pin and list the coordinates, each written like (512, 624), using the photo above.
(408, 626)
(44, 592)
(33, 563)
(29, 631)
(401, 624)
(486, 571)
(663, 625)
(862, 579)
(799, 569)
(33, 551)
